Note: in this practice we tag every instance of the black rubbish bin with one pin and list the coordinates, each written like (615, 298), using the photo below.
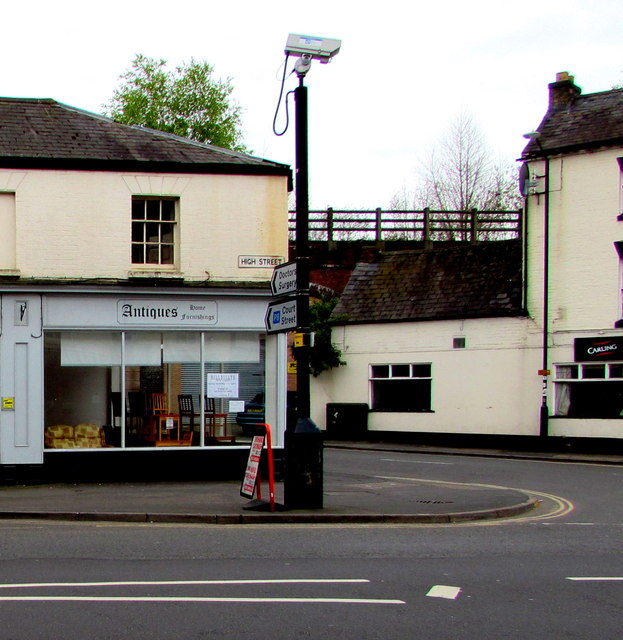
(347, 420)
(303, 477)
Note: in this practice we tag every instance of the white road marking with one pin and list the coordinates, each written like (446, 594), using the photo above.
(140, 583)
(598, 579)
(133, 583)
(414, 461)
(194, 599)
(443, 591)
(581, 524)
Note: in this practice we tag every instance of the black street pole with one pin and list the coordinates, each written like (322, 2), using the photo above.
(303, 478)
(302, 250)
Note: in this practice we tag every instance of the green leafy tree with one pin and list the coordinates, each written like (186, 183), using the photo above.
(187, 102)
(324, 355)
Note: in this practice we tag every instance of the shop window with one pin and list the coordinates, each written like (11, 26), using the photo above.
(401, 387)
(86, 373)
(79, 408)
(592, 390)
(153, 230)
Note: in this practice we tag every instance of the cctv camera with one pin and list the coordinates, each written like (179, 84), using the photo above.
(322, 49)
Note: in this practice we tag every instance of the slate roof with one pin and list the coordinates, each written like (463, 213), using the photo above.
(464, 281)
(586, 122)
(43, 133)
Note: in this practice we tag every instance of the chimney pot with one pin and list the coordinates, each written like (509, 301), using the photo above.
(564, 75)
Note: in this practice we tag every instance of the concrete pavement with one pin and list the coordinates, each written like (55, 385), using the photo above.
(347, 499)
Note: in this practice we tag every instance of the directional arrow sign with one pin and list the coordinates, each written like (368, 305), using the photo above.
(283, 281)
(281, 316)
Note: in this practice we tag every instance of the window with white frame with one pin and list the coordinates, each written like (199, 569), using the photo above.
(401, 387)
(153, 230)
(591, 390)
(619, 249)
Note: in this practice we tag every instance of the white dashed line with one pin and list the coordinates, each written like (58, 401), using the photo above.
(598, 579)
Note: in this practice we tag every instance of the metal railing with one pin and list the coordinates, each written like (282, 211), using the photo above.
(333, 225)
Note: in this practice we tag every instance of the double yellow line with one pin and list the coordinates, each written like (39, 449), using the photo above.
(561, 506)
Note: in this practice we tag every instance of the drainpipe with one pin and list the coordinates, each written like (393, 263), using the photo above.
(544, 372)
(544, 420)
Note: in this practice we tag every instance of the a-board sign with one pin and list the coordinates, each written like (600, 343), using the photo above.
(253, 466)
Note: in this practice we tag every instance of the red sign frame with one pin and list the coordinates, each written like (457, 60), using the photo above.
(252, 480)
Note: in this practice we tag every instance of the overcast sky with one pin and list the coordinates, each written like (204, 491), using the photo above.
(405, 71)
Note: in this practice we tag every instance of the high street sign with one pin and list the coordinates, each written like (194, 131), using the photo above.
(283, 281)
(281, 316)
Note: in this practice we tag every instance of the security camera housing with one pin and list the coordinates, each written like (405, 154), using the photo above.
(322, 49)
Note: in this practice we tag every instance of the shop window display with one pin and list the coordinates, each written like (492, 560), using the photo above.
(107, 389)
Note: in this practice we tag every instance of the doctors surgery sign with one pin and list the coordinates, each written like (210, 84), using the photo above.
(598, 349)
(166, 312)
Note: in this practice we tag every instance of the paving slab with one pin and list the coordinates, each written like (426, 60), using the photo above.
(212, 502)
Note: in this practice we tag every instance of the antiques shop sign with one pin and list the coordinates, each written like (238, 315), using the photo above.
(166, 312)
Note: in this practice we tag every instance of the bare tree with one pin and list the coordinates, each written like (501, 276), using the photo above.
(459, 174)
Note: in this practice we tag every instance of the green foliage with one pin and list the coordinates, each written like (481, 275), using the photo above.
(187, 102)
(324, 355)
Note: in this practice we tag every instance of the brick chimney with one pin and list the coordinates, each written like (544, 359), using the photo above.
(563, 92)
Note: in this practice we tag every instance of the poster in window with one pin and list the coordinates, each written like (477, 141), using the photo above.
(222, 385)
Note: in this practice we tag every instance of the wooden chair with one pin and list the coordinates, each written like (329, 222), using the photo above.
(135, 417)
(157, 403)
(189, 419)
(156, 408)
(187, 411)
(214, 421)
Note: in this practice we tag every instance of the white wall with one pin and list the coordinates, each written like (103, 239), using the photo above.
(7, 236)
(584, 266)
(584, 271)
(73, 224)
(490, 387)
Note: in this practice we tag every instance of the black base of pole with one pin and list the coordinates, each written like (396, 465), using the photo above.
(303, 478)
(544, 421)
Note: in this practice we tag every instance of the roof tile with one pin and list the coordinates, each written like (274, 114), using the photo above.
(40, 131)
(465, 281)
(586, 121)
